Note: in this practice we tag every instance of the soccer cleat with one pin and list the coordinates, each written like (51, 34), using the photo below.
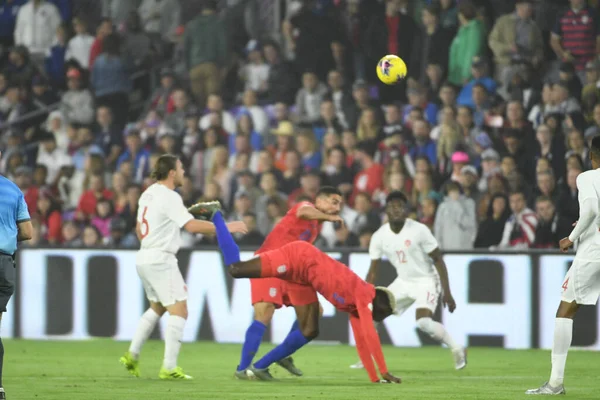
(358, 365)
(546, 389)
(288, 364)
(131, 365)
(174, 374)
(241, 375)
(460, 358)
(2, 394)
(261, 374)
(204, 211)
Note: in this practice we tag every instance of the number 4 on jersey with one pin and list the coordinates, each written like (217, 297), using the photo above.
(144, 227)
(566, 284)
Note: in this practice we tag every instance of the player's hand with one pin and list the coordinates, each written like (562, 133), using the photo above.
(574, 224)
(336, 219)
(448, 301)
(389, 378)
(237, 227)
(565, 244)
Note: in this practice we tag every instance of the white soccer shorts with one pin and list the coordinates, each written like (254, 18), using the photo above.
(424, 293)
(582, 283)
(163, 283)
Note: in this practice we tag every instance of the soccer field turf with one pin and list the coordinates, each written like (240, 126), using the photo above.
(90, 370)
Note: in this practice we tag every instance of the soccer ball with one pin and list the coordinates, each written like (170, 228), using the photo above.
(391, 69)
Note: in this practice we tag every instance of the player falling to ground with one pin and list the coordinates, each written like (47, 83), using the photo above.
(410, 247)
(302, 263)
(161, 216)
(582, 282)
(302, 222)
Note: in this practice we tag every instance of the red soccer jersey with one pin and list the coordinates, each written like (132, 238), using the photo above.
(303, 263)
(290, 229)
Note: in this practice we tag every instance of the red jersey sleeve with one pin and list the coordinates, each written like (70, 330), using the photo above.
(365, 329)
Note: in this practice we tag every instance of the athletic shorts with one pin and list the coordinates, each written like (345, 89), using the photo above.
(163, 283)
(582, 283)
(7, 280)
(423, 293)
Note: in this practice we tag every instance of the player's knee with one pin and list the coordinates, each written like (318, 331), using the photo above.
(310, 332)
(425, 325)
(180, 309)
(263, 312)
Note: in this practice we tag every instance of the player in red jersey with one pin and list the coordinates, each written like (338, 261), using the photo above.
(302, 263)
(302, 222)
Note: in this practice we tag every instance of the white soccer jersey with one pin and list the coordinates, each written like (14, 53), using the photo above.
(408, 250)
(161, 215)
(588, 246)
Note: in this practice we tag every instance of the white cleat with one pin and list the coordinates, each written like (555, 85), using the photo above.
(547, 390)
(460, 358)
(358, 365)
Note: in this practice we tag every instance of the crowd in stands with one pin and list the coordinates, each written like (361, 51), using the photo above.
(486, 136)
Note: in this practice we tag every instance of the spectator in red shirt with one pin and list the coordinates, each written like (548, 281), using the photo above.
(23, 179)
(87, 204)
(104, 29)
(370, 178)
(48, 210)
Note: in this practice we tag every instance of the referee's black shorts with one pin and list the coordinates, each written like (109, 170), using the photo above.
(7, 280)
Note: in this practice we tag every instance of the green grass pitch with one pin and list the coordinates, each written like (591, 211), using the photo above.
(89, 370)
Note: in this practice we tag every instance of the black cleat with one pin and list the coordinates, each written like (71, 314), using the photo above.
(288, 364)
(204, 211)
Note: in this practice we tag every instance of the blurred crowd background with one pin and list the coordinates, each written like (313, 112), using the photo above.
(266, 100)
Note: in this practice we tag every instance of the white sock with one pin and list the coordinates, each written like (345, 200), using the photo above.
(563, 333)
(143, 331)
(173, 341)
(437, 332)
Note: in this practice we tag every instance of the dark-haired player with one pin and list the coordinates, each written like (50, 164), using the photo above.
(302, 263)
(161, 216)
(582, 282)
(422, 276)
(302, 222)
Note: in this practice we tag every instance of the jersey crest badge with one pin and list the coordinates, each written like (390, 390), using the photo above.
(281, 269)
(407, 243)
(272, 292)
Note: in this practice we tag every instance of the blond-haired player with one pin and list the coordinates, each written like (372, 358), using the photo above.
(161, 216)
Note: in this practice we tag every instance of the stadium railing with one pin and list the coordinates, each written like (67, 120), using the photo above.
(504, 299)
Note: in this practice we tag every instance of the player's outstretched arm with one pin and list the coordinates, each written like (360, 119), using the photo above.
(208, 228)
(363, 349)
(310, 213)
(440, 266)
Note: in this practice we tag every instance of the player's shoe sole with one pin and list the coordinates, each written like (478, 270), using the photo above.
(288, 364)
(460, 360)
(176, 374)
(241, 375)
(131, 365)
(547, 390)
(205, 210)
(260, 374)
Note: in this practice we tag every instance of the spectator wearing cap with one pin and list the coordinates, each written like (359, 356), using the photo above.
(552, 227)
(515, 38)
(80, 45)
(134, 153)
(423, 145)
(8, 20)
(309, 98)
(519, 230)
(431, 44)
(110, 80)
(19, 67)
(49, 212)
(468, 180)
(481, 143)
(455, 214)
(575, 36)
(417, 97)
(551, 148)
(37, 21)
(480, 78)
(369, 178)
(77, 101)
(206, 51)
(54, 64)
(23, 179)
(284, 142)
(160, 18)
(468, 43)
(491, 228)
(104, 29)
(459, 159)
(255, 73)
(260, 119)
(52, 157)
(310, 181)
(490, 166)
(215, 105)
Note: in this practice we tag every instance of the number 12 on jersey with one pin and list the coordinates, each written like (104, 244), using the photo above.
(401, 256)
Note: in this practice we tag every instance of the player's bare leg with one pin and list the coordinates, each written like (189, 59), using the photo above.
(426, 324)
(563, 333)
(263, 314)
(308, 329)
(144, 329)
(178, 314)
